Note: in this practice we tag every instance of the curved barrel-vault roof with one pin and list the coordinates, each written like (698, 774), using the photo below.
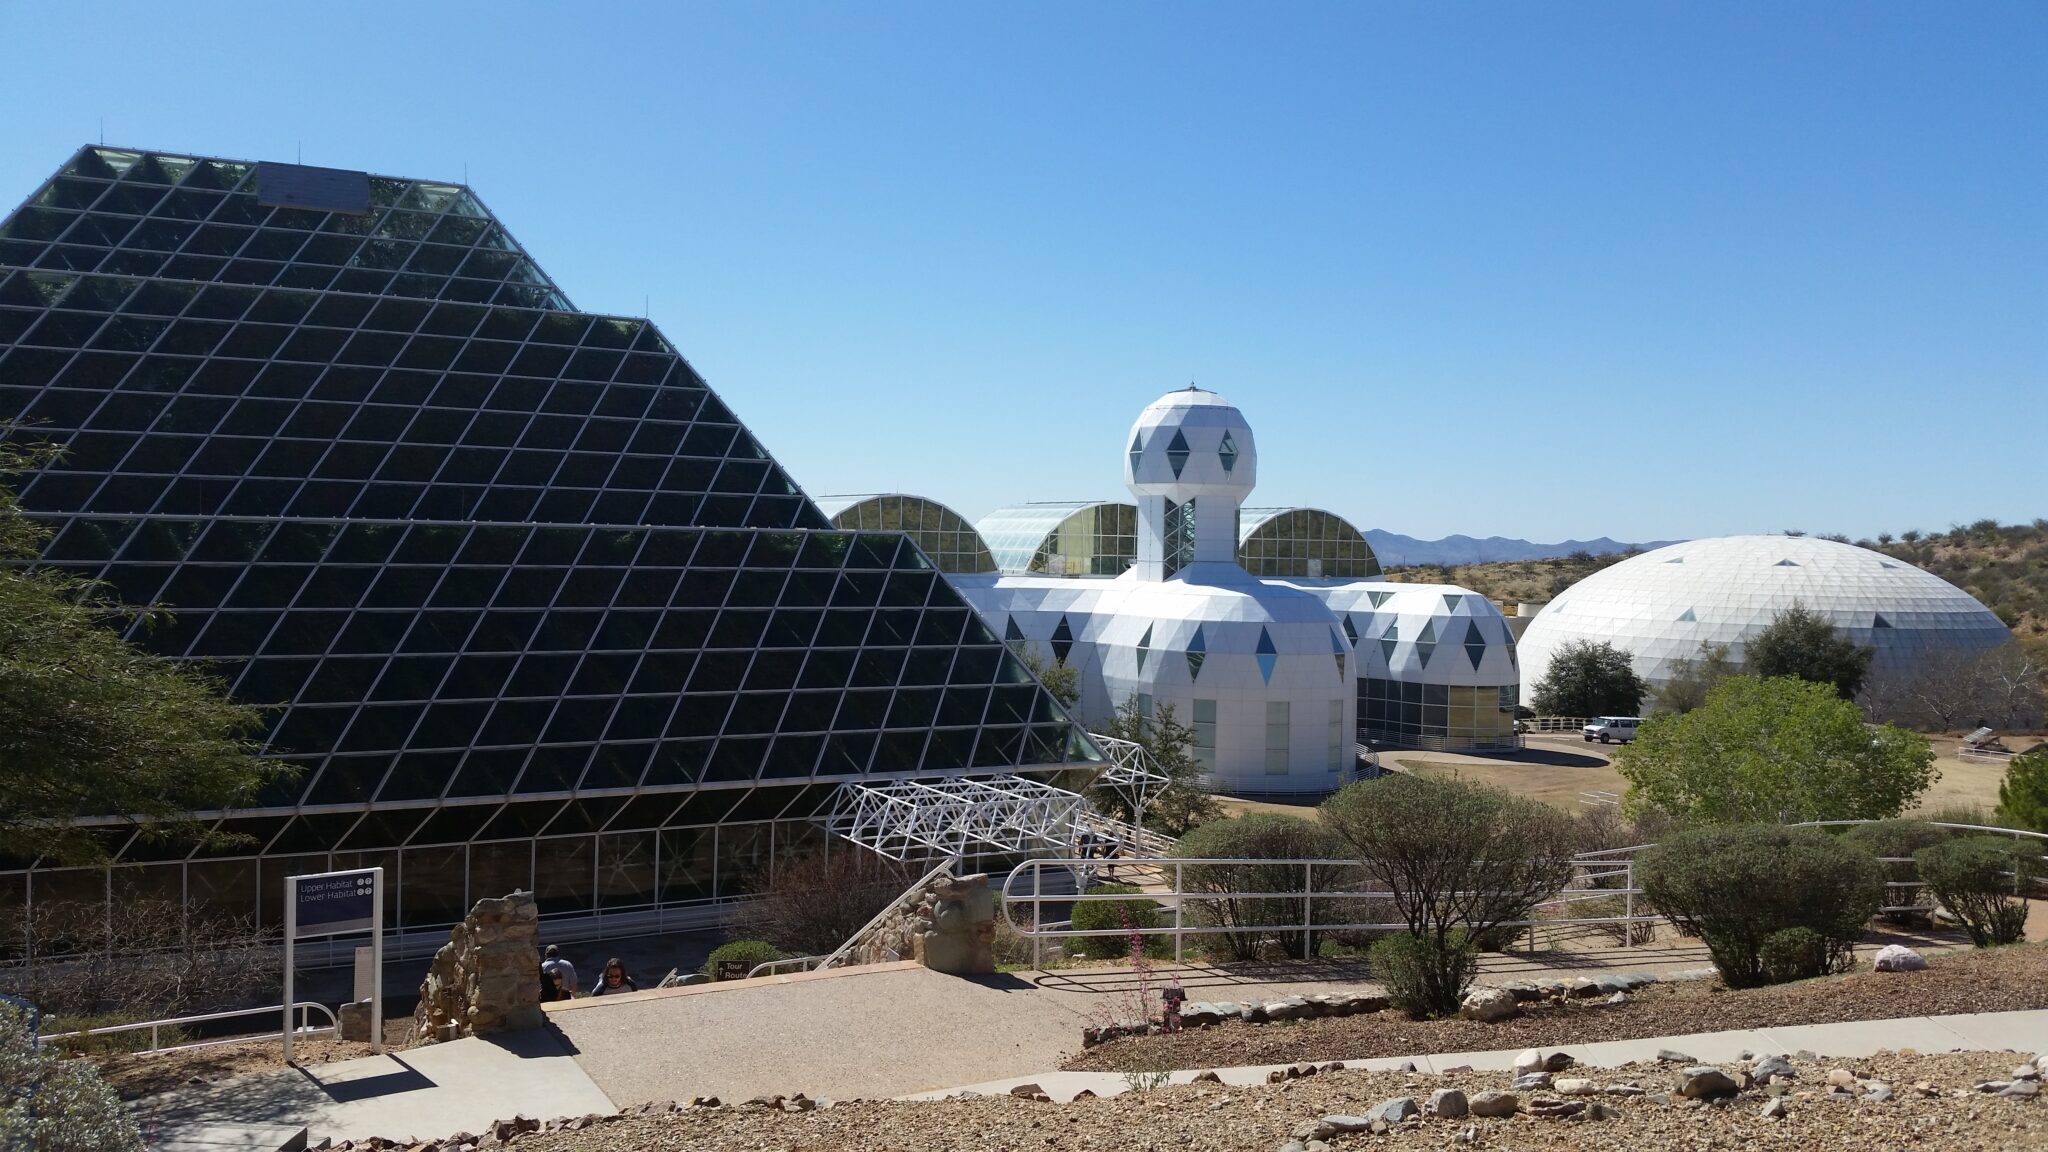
(1286, 542)
(952, 543)
(1063, 538)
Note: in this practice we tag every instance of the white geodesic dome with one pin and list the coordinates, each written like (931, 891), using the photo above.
(1663, 605)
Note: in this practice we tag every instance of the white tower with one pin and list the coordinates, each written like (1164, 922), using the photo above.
(1191, 463)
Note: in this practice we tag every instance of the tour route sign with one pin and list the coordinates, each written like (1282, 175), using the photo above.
(331, 904)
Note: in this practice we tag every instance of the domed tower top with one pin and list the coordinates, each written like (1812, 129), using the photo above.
(1191, 463)
(1191, 443)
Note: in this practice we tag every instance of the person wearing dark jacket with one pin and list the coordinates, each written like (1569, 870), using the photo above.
(613, 980)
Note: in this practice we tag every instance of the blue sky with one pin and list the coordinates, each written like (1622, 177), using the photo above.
(1636, 269)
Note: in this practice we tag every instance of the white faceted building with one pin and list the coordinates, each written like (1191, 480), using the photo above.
(1661, 606)
(1271, 673)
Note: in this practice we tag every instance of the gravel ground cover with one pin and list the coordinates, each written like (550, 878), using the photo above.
(1212, 1118)
(1992, 980)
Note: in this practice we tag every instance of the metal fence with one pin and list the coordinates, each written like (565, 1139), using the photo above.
(179, 1023)
(1327, 900)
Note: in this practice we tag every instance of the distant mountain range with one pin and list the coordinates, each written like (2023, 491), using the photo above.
(1396, 550)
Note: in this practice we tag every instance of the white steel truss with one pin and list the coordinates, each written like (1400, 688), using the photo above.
(916, 819)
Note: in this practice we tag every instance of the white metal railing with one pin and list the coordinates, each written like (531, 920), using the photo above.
(1595, 876)
(838, 955)
(1571, 724)
(774, 967)
(2018, 834)
(299, 1009)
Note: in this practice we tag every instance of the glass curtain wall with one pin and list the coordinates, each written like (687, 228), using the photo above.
(1399, 713)
(1305, 543)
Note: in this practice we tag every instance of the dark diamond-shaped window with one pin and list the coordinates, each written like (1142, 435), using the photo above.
(1475, 644)
(1144, 648)
(1227, 452)
(1198, 651)
(1137, 451)
(1062, 641)
(1177, 452)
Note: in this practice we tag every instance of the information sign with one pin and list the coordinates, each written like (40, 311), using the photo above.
(335, 902)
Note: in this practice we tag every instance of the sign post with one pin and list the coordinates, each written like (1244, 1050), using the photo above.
(329, 904)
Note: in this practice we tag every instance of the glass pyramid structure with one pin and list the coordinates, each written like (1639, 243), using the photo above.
(528, 605)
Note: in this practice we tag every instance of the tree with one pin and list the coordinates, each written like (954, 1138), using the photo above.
(1742, 888)
(1692, 677)
(2023, 794)
(1589, 679)
(1773, 751)
(1801, 643)
(95, 726)
(818, 900)
(1183, 801)
(1061, 679)
(50, 1104)
(1258, 836)
(1951, 689)
(1460, 860)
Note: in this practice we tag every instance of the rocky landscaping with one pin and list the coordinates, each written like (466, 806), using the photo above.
(1600, 1007)
(1972, 1101)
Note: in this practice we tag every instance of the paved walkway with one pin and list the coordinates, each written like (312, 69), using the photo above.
(428, 1092)
(1979, 1032)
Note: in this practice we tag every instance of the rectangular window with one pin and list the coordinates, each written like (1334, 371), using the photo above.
(1336, 734)
(1205, 735)
(1277, 732)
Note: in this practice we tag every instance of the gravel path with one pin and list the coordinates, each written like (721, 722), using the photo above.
(1210, 1118)
(1994, 980)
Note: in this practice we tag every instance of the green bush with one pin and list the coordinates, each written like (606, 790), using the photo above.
(1795, 954)
(1261, 836)
(1978, 879)
(1736, 885)
(1422, 975)
(50, 1103)
(2023, 794)
(752, 951)
(1895, 839)
(1094, 915)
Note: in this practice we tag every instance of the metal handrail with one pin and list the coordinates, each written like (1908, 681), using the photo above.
(773, 967)
(1177, 897)
(180, 1021)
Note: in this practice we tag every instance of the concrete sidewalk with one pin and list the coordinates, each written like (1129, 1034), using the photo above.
(427, 1092)
(1978, 1032)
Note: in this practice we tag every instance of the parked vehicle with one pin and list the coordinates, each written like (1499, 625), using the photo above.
(1611, 729)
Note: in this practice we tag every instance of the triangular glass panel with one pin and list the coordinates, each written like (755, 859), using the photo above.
(1350, 630)
(1144, 648)
(1062, 641)
(1451, 602)
(1198, 651)
(1687, 617)
(1424, 649)
(1336, 642)
(1886, 564)
(1428, 633)
(1011, 632)
(1475, 643)
(1786, 564)
(1387, 646)
(1676, 560)
(1379, 598)
(1177, 452)
(1340, 665)
(1267, 654)
(1137, 451)
(1227, 451)
(1878, 621)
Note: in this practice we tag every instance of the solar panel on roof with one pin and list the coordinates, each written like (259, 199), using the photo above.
(302, 186)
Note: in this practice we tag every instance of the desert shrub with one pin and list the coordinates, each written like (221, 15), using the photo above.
(50, 1104)
(816, 902)
(1795, 954)
(2023, 794)
(139, 959)
(1978, 878)
(1735, 885)
(1889, 840)
(1460, 860)
(1095, 915)
(1259, 836)
(1422, 973)
(752, 951)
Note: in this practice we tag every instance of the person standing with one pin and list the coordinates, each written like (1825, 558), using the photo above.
(563, 972)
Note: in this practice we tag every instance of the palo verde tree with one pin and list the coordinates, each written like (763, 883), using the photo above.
(1800, 643)
(1775, 751)
(1589, 679)
(95, 726)
(2023, 794)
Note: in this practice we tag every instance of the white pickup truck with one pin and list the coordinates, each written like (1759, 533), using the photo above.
(1611, 729)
